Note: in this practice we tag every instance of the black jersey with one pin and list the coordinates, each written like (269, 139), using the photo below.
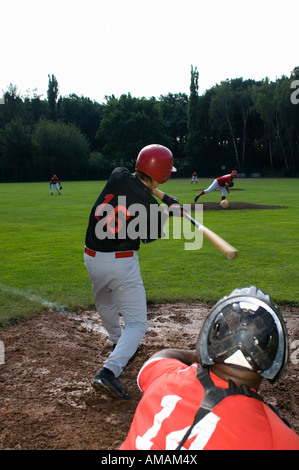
(124, 214)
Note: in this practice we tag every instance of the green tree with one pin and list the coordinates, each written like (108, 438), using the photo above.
(244, 106)
(280, 118)
(35, 108)
(52, 95)
(13, 106)
(128, 124)
(222, 115)
(286, 123)
(82, 112)
(62, 147)
(193, 136)
(174, 111)
(264, 104)
(18, 150)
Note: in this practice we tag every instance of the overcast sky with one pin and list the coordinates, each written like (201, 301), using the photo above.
(146, 48)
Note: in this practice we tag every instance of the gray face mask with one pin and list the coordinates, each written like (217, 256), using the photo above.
(246, 330)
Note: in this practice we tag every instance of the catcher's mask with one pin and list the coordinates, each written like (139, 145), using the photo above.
(246, 330)
(156, 161)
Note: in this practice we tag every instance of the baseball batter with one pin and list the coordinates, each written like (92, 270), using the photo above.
(55, 183)
(112, 261)
(223, 183)
(206, 399)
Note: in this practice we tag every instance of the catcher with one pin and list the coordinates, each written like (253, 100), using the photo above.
(223, 183)
(55, 183)
(207, 398)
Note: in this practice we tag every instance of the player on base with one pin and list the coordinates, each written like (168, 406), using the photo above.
(223, 183)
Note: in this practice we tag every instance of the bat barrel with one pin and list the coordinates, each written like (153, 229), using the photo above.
(223, 246)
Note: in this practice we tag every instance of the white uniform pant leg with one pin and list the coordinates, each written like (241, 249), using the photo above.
(223, 191)
(118, 287)
(212, 187)
(132, 305)
(107, 306)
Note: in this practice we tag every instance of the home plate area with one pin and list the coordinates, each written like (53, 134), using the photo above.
(46, 398)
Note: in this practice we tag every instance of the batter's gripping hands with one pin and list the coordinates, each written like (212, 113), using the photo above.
(174, 207)
(169, 200)
(176, 210)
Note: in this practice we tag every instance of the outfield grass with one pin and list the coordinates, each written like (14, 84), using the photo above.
(42, 241)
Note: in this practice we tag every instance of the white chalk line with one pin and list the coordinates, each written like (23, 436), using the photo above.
(32, 297)
(54, 307)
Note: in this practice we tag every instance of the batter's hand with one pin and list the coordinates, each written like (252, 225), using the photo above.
(175, 210)
(169, 200)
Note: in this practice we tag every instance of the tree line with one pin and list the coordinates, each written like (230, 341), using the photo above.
(251, 126)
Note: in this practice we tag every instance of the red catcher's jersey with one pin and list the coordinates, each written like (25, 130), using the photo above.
(172, 395)
(223, 180)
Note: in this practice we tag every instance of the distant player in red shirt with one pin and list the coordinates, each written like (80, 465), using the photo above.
(55, 183)
(194, 177)
(222, 183)
(206, 399)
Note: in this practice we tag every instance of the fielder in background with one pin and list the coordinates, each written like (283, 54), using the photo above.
(223, 183)
(55, 183)
(194, 177)
(206, 399)
(112, 260)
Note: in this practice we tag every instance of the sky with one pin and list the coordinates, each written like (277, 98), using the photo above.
(96, 48)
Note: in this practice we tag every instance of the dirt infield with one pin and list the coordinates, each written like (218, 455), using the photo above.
(46, 398)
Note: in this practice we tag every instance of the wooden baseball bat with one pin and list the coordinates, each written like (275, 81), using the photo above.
(224, 247)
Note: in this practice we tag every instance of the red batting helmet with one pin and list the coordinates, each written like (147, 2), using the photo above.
(156, 161)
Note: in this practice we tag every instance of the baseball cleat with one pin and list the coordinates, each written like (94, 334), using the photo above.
(195, 199)
(106, 380)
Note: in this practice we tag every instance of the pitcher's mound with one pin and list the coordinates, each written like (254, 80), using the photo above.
(215, 206)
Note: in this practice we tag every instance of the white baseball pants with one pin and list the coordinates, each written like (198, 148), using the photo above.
(214, 186)
(118, 288)
(55, 186)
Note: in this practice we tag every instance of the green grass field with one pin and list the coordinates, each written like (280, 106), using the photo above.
(42, 241)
